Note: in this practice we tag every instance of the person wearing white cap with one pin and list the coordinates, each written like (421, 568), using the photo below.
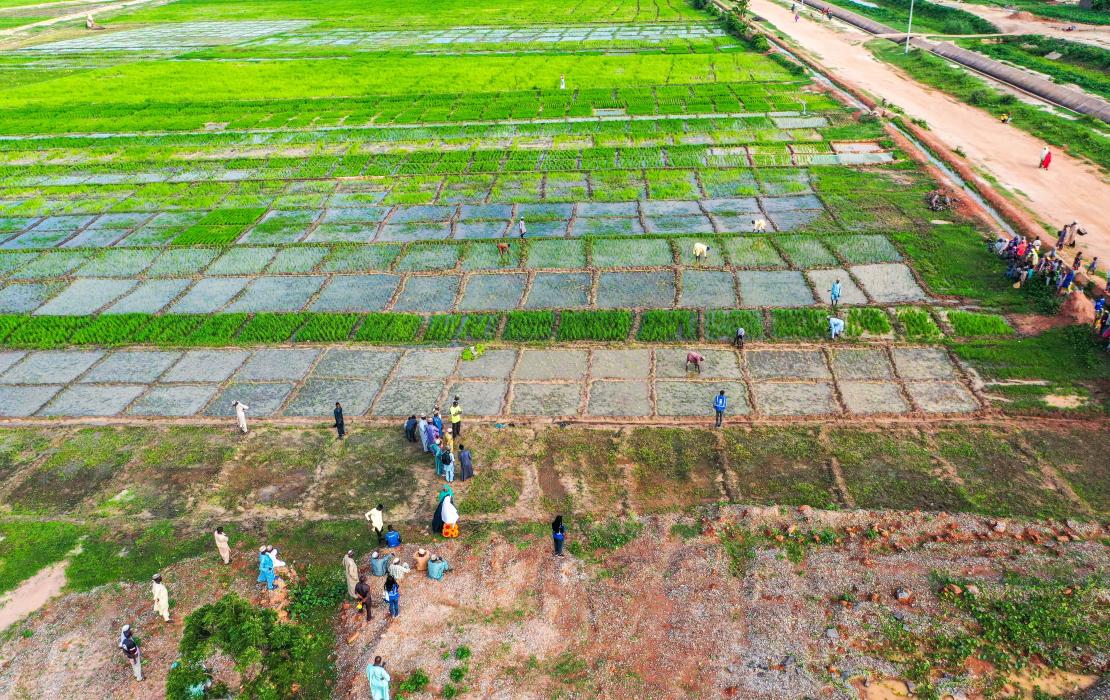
(161, 597)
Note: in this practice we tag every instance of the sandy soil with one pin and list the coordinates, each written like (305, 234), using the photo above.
(32, 594)
(1010, 22)
(1071, 189)
(659, 618)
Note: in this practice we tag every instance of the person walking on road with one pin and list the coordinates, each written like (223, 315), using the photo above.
(340, 427)
(241, 415)
(720, 405)
(1046, 158)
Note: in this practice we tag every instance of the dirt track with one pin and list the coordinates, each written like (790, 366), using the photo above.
(1071, 190)
(1024, 23)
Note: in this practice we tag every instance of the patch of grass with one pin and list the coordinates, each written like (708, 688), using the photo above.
(529, 325)
(480, 326)
(270, 328)
(665, 325)
(685, 531)
(673, 468)
(111, 555)
(722, 324)
(77, 468)
(867, 320)
(28, 547)
(109, 330)
(327, 328)
(739, 546)
(168, 330)
(970, 324)
(442, 328)
(594, 325)
(918, 324)
(1065, 355)
(781, 466)
(45, 332)
(799, 323)
(216, 330)
(894, 470)
(589, 539)
(388, 328)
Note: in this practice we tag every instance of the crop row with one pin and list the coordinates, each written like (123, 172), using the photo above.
(46, 332)
(711, 98)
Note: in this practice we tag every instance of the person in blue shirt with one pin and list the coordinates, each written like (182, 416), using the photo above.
(392, 537)
(392, 596)
(265, 569)
(558, 534)
(834, 293)
(720, 404)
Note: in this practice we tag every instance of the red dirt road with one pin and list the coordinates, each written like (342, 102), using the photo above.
(1071, 190)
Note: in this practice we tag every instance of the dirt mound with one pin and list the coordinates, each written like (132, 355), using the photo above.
(1077, 308)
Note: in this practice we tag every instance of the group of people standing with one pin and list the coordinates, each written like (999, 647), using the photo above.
(1027, 260)
(432, 437)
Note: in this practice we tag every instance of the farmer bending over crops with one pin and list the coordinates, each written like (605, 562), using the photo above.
(759, 226)
(695, 358)
(836, 327)
(701, 251)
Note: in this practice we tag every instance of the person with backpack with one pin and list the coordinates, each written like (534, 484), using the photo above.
(720, 405)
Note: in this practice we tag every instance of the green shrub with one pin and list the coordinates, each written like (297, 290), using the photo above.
(659, 325)
(319, 588)
(388, 328)
(168, 330)
(415, 682)
(970, 324)
(594, 325)
(8, 323)
(529, 325)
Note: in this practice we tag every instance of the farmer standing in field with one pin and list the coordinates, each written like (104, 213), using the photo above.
(161, 597)
(241, 415)
(376, 517)
(720, 404)
(340, 427)
(221, 544)
(456, 418)
(350, 572)
(523, 229)
(834, 293)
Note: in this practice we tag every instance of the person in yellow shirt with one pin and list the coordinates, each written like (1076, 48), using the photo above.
(456, 418)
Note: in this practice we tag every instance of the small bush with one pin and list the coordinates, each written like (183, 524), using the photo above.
(867, 320)
(327, 328)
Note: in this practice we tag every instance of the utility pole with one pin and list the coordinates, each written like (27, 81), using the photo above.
(909, 26)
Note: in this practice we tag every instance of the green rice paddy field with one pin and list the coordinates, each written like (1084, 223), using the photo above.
(344, 174)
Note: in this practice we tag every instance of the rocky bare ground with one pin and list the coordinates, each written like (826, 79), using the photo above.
(660, 617)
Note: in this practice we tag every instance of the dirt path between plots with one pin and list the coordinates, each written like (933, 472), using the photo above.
(1010, 22)
(80, 14)
(1071, 190)
(32, 594)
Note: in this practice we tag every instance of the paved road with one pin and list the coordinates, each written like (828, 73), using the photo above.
(570, 382)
